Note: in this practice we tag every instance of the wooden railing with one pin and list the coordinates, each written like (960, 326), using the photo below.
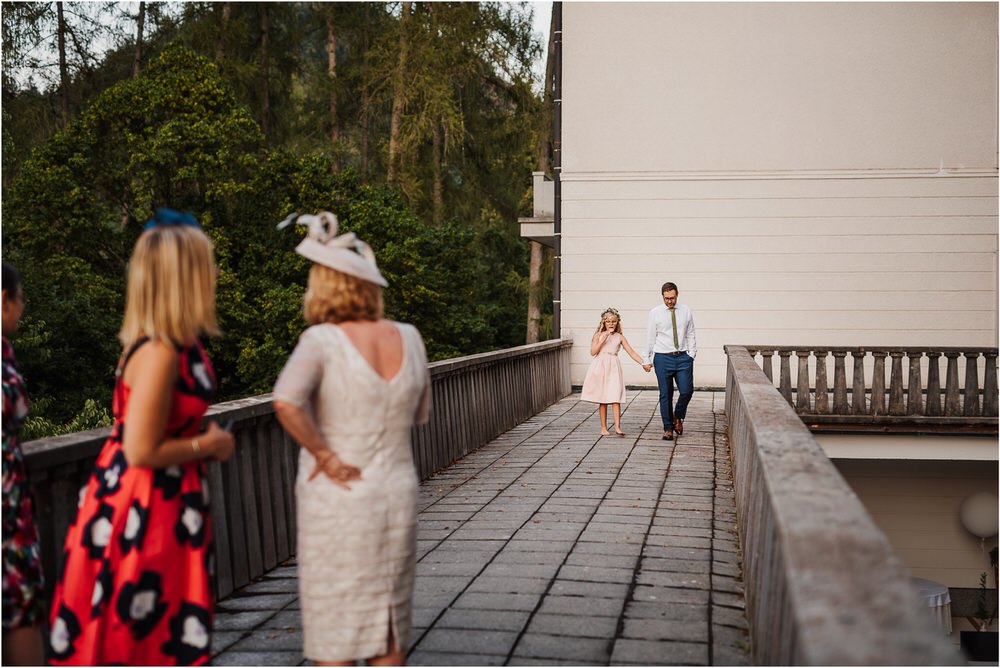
(964, 398)
(475, 399)
(823, 586)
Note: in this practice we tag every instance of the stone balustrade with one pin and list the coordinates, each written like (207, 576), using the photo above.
(823, 585)
(475, 399)
(964, 397)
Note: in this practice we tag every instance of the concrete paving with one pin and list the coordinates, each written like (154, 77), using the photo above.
(552, 545)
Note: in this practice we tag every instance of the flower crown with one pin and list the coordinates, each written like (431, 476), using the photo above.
(611, 310)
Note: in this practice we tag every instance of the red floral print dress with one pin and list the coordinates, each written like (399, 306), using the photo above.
(22, 561)
(134, 585)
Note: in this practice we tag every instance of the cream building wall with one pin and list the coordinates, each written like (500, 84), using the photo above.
(916, 504)
(820, 173)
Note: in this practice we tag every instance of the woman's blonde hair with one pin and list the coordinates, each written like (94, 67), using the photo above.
(610, 311)
(171, 287)
(333, 296)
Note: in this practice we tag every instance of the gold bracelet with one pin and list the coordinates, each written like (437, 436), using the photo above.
(195, 446)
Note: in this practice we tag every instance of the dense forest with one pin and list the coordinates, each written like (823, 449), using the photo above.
(418, 124)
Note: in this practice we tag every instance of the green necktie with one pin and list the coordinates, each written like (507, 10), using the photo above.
(673, 320)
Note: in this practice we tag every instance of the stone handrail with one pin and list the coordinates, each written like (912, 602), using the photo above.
(962, 401)
(823, 586)
(475, 399)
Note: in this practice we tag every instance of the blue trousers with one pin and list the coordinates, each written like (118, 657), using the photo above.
(670, 368)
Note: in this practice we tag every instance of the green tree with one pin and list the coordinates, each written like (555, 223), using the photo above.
(186, 132)
(172, 135)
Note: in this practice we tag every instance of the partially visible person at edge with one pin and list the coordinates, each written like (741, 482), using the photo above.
(135, 582)
(23, 607)
(349, 395)
(670, 350)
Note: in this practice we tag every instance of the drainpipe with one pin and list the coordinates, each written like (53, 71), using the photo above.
(557, 175)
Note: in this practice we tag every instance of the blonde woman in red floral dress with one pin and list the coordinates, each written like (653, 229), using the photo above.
(135, 579)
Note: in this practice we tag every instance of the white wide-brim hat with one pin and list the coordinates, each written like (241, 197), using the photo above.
(344, 253)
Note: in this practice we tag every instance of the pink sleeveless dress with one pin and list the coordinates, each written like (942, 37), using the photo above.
(604, 382)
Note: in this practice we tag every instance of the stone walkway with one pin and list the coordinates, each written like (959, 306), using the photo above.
(552, 545)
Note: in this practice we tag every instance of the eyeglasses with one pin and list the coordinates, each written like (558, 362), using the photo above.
(165, 216)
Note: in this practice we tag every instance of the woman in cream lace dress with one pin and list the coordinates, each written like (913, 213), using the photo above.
(349, 395)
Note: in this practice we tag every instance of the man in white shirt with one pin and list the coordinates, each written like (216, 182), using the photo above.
(670, 351)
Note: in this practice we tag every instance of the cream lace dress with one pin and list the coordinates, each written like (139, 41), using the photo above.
(357, 548)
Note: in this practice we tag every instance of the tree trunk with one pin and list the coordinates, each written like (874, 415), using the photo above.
(438, 187)
(534, 292)
(138, 39)
(331, 70)
(220, 45)
(399, 94)
(63, 72)
(265, 63)
(364, 146)
(363, 118)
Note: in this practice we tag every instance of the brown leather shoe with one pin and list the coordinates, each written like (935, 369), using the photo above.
(679, 426)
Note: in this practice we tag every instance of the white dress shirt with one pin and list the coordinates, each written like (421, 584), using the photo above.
(660, 332)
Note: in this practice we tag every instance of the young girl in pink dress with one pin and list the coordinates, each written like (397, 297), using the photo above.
(604, 383)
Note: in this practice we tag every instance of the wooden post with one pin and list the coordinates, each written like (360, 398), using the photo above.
(914, 386)
(802, 404)
(933, 405)
(990, 385)
(971, 408)
(822, 397)
(840, 406)
(878, 383)
(952, 397)
(786, 376)
(858, 385)
(766, 364)
(896, 406)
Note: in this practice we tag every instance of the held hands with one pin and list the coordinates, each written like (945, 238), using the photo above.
(647, 367)
(217, 442)
(340, 473)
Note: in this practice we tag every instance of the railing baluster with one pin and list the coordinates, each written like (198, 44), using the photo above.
(802, 404)
(878, 382)
(840, 406)
(914, 386)
(971, 404)
(858, 385)
(952, 397)
(933, 405)
(990, 385)
(822, 398)
(766, 364)
(786, 376)
(896, 406)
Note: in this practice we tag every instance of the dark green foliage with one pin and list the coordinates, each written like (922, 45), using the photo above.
(173, 135)
(183, 134)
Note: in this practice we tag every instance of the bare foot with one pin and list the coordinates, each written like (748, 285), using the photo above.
(620, 433)
(605, 432)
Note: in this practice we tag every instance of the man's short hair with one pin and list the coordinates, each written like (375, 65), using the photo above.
(668, 286)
